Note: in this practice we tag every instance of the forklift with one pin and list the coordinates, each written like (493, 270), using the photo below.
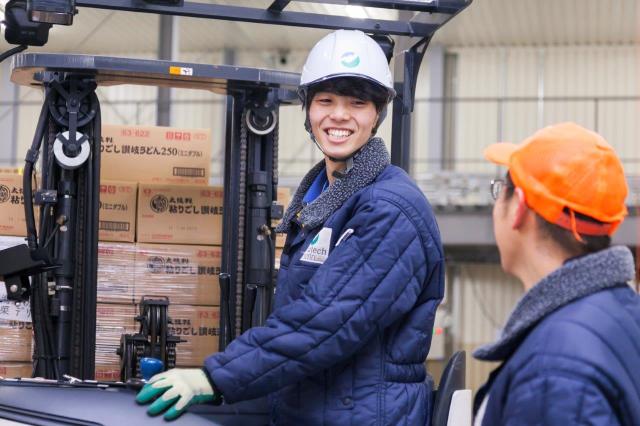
(56, 270)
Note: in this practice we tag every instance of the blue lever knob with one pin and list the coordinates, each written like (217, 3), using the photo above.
(149, 367)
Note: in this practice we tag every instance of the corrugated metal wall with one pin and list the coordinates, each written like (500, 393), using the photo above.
(482, 298)
(573, 79)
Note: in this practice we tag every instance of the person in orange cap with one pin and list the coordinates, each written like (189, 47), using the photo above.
(570, 350)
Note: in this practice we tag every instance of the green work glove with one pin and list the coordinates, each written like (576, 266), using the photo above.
(175, 390)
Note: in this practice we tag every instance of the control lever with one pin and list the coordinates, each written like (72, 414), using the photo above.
(250, 296)
(17, 264)
(225, 309)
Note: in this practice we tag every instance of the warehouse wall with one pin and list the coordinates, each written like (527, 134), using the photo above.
(587, 72)
(482, 298)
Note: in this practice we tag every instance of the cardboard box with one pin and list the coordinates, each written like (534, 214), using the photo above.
(185, 274)
(112, 321)
(12, 220)
(15, 369)
(179, 214)
(107, 372)
(116, 272)
(284, 198)
(16, 341)
(199, 326)
(164, 155)
(118, 211)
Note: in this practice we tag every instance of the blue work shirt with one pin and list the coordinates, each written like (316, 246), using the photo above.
(319, 185)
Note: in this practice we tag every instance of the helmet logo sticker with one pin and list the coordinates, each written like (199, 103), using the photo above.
(350, 60)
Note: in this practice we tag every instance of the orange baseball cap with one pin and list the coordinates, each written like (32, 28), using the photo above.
(566, 166)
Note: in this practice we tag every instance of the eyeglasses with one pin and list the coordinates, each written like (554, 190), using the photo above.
(496, 188)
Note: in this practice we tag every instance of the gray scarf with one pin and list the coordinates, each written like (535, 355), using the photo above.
(575, 279)
(367, 165)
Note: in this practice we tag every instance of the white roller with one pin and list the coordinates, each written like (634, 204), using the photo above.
(71, 163)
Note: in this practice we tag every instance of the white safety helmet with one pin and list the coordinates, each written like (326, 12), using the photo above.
(346, 53)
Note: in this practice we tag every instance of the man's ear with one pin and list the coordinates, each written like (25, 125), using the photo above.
(521, 208)
(374, 129)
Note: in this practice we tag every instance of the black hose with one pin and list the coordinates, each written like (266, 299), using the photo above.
(32, 156)
(42, 331)
(50, 354)
(45, 362)
(13, 51)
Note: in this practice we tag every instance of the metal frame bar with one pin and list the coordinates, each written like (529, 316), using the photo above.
(276, 15)
(28, 71)
(442, 6)
(279, 5)
(267, 16)
(474, 228)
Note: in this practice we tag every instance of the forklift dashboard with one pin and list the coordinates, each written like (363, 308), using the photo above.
(106, 404)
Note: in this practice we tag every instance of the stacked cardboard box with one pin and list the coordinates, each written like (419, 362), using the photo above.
(116, 266)
(10, 370)
(187, 275)
(16, 340)
(112, 321)
(178, 226)
(199, 326)
(15, 326)
(172, 214)
(160, 155)
(163, 155)
(12, 220)
(117, 211)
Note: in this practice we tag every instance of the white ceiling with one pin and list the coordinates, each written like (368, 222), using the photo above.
(544, 22)
(484, 23)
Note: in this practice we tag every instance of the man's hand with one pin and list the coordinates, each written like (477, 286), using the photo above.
(175, 390)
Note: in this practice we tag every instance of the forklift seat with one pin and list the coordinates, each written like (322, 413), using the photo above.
(452, 406)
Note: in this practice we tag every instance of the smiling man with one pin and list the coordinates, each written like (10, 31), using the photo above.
(360, 278)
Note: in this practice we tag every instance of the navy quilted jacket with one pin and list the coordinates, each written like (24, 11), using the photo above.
(572, 349)
(360, 279)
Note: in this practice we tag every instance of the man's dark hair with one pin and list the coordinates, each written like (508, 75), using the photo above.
(354, 87)
(564, 237)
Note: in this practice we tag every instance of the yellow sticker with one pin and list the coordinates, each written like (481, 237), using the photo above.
(180, 71)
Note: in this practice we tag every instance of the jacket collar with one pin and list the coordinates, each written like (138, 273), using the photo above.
(575, 279)
(367, 165)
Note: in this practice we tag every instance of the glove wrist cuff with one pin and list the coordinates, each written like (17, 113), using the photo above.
(217, 395)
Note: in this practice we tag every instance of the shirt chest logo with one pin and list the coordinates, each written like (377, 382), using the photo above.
(318, 250)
